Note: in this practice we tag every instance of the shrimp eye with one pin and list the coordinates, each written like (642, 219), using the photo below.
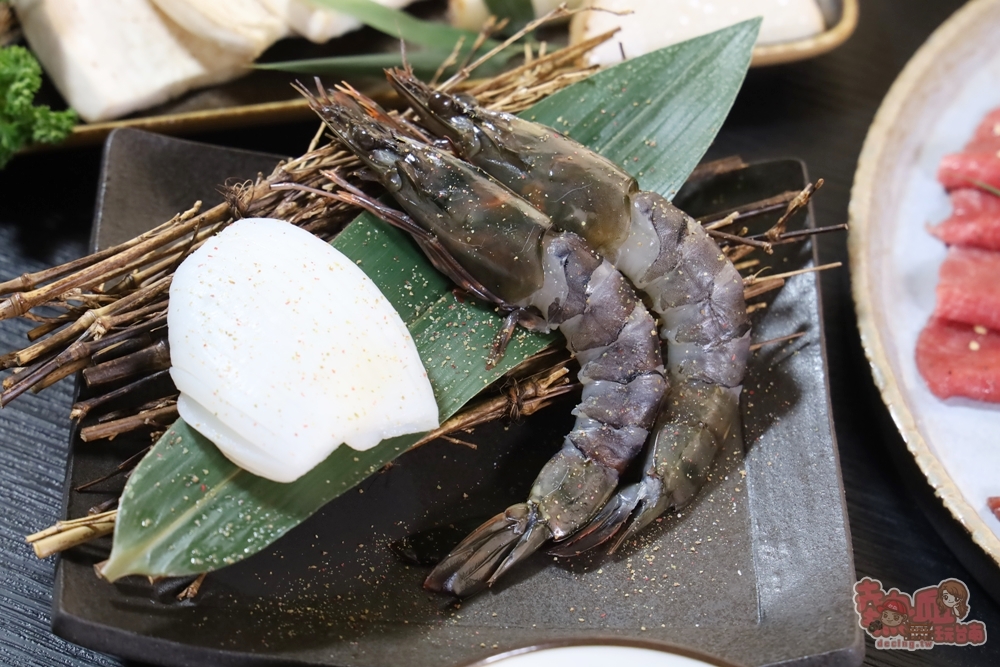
(441, 104)
(364, 140)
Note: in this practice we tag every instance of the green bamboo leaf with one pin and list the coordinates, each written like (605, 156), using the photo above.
(186, 509)
(402, 25)
(424, 62)
(439, 40)
(519, 13)
(657, 115)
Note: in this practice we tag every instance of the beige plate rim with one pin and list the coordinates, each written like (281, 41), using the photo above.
(296, 110)
(801, 49)
(907, 85)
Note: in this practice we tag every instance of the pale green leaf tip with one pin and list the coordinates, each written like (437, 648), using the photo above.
(128, 559)
(114, 569)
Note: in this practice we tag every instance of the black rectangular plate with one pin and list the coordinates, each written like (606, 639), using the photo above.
(758, 570)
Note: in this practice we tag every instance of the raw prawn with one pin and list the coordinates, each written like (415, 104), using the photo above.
(500, 248)
(666, 254)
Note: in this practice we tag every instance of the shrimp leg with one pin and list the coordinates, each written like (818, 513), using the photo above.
(667, 255)
(511, 251)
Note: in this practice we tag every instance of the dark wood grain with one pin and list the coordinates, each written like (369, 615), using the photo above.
(818, 111)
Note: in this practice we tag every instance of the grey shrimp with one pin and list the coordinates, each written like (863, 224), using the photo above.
(500, 248)
(667, 255)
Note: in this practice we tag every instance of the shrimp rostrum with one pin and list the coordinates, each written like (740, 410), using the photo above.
(668, 257)
(502, 249)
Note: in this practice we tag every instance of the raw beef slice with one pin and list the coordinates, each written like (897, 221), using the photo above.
(960, 360)
(975, 220)
(969, 287)
(963, 170)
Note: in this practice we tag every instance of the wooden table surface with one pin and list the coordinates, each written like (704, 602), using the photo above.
(818, 111)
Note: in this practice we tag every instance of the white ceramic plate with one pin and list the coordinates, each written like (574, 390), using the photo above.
(602, 655)
(932, 109)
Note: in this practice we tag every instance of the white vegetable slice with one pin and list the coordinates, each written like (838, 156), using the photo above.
(244, 26)
(112, 57)
(283, 349)
(316, 22)
(654, 24)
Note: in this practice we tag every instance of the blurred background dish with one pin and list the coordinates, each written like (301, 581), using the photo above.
(601, 653)
(264, 97)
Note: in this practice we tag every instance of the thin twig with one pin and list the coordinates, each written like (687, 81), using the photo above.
(741, 240)
(30, 281)
(464, 72)
(762, 287)
(768, 205)
(21, 302)
(122, 467)
(158, 417)
(799, 202)
(82, 408)
(192, 589)
(448, 62)
(755, 278)
(775, 341)
(724, 222)
(524, 398)
(66, 534)
(793, 237)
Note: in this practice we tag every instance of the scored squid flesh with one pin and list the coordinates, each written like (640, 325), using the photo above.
(283, 349)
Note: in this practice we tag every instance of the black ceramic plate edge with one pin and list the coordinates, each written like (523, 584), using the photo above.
(775, 634)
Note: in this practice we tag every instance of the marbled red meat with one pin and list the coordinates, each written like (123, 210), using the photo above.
(958, 352)
(975, 220)
(960, 360)
(969, 287)
(978, 161)
(963, 170)
(994, 504)
(973, 202)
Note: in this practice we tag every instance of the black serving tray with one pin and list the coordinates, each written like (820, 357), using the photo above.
(758, 571)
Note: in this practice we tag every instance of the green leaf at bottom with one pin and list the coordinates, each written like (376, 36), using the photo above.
(186, 509)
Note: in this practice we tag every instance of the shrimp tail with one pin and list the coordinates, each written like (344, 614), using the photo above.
(489, 551)
(606, 523)
(568, 491)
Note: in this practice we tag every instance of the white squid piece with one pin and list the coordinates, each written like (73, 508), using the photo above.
(283, 349)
